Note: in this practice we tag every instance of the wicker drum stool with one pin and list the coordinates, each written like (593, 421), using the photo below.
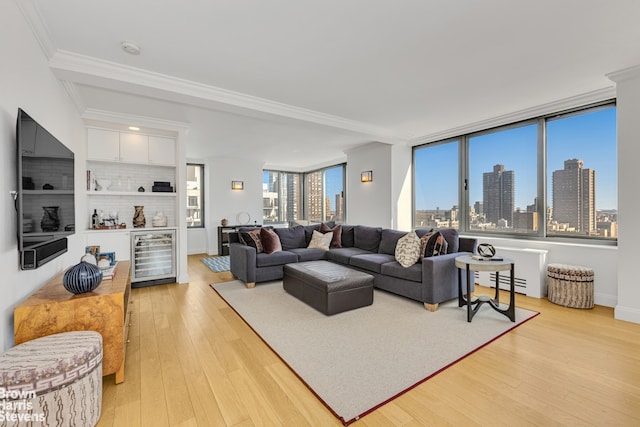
(570, 285)
(52, 381)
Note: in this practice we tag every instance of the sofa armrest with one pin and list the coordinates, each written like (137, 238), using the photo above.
(243, 262)
(440, 278)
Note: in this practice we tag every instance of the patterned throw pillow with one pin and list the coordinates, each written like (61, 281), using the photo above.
(433, 244)
(270, 241)
(252, 238)
(408, 249)
(320, 241)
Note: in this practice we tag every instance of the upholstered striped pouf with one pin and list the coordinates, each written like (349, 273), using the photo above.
(570, 285)
(52, 381)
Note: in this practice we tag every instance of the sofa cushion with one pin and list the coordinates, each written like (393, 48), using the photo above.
(336, 240)
(347, 239)
(452, 237)
(251, 237)
(367, 238)
(309, 254)
(408, 249)
(433, 244)
(388, 240)
(342, 255)
(270, 241)
(320, 241)
(422, 231)
(371, 262)
(291, 238)
(394, 269)
(308, 232)
(276, 258)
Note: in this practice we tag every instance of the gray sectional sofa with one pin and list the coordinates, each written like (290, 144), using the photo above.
(431, 280)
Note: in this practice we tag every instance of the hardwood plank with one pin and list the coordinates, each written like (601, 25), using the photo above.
(564, 367)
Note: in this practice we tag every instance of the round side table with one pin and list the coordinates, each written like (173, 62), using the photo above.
(469, 263)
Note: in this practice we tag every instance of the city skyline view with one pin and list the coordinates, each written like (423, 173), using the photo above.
(588, 137)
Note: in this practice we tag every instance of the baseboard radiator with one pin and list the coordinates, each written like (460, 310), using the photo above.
(530, 271)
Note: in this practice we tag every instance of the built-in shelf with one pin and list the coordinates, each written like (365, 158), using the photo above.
(41, 192)
(130, 193)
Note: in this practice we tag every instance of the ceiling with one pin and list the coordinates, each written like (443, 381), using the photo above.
(297, 83)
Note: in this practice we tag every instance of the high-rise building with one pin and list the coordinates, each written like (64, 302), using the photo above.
(292, 197)
(339, 216)
(498, 194)
(314, 196)
(574, 196)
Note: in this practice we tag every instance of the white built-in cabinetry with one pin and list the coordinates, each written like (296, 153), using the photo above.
(114, 146)
(129, 162)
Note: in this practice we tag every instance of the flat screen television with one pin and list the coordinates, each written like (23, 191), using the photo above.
(45, 196)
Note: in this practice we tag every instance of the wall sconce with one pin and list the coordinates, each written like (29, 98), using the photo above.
(366, 176)
(237, 185)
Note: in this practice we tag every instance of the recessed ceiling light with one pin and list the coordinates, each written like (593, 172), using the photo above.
(134, 128)
(131, 48)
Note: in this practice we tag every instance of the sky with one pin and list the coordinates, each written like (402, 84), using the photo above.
(590, 137)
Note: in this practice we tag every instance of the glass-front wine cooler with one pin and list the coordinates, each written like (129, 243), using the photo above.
(153, 257)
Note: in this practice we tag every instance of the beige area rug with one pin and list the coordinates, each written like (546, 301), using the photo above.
(361, 359)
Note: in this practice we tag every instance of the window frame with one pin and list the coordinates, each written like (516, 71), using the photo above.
(303, 213)
(542, 177)
(202, 196)
(344, 190)
(282, 173)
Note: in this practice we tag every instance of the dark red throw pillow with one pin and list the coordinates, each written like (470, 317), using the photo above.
(336, 240)
(270, 241)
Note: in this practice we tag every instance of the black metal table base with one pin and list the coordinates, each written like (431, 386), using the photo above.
(473, 305)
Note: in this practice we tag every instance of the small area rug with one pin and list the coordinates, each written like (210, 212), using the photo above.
(217, 264)
(361, 359)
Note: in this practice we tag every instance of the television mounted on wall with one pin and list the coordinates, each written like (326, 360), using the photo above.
(45, 197)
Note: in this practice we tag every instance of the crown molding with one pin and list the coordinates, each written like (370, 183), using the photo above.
(541, 110)
(624, 74)
(75, 95)
(39, 29)
(128, 119)
(94, 71)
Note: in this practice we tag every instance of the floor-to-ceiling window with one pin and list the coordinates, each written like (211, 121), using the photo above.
(314, 196)
(436, 185)
(195, 195)
(503, 179)
(582, 191)
(324, 194)
(551, 176)
(281, 197)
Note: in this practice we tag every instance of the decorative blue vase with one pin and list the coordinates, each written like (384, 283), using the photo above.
(81, 278)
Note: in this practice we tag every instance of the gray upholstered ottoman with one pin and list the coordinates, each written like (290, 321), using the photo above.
(53, 381)
(328, 287)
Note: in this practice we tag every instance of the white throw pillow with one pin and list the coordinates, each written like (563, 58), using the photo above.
(320, 241)
(408, 249)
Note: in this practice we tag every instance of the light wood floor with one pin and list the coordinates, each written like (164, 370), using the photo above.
(192, 361)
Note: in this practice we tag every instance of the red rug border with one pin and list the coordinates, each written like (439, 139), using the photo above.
(395, 396)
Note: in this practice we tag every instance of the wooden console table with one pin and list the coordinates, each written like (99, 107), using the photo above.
(52, 309)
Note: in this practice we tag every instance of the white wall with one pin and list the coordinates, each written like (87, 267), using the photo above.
(27, 82)
(628, 101)
(223, 202)
(602, 259)
(370, 203)
(401, 186)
